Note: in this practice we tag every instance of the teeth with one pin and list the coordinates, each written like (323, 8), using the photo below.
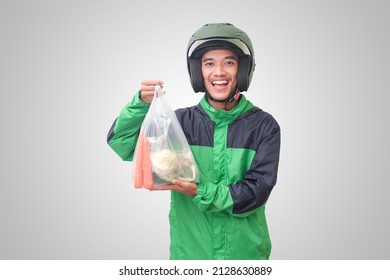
(219, 83)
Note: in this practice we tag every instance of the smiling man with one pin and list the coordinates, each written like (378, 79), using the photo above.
(235, 144)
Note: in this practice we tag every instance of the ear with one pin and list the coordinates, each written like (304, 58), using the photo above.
(196, 77)
(243, 73)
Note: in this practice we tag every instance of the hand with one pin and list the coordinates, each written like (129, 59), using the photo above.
(187, 188)
(147, 89)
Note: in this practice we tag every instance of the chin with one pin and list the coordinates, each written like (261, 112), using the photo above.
(219, 95)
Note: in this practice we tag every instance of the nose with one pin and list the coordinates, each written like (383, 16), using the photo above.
(219, 69)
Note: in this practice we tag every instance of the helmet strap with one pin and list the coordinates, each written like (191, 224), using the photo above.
(235, 95)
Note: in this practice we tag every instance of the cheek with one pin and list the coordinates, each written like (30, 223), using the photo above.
(234, 75)
(204, 73)
(234, 72)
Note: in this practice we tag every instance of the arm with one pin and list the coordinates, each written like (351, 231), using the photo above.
(255, 188)
(248, 193)
(123, 135)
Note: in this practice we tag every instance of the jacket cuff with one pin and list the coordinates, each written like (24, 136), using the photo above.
(137, 101)
(205, 197)
(201, 200)
(199, 194)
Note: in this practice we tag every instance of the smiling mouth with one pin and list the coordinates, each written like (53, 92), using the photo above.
(220, 83)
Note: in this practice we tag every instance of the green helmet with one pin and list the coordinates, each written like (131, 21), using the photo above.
(220, 36)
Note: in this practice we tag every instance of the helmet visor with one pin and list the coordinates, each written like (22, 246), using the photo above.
(236, 42)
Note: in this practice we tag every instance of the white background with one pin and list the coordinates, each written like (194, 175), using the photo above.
(68, 67)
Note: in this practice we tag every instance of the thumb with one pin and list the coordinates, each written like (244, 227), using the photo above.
(177, 182)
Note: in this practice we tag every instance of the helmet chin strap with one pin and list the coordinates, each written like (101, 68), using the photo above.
(233, 96)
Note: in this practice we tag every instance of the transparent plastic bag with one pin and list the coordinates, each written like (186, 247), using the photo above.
(162, 153)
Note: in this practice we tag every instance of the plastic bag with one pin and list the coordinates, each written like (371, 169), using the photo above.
(162, 153)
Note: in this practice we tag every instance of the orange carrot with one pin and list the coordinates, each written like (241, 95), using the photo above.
(147, 165)
(138, 177)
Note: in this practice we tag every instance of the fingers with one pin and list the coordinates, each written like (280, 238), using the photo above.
(147, 89)
(187, 188)
(152, 83)
(178, 182)
(148, 85)
(164, 188)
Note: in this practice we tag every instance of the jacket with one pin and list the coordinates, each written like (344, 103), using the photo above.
(237, 154)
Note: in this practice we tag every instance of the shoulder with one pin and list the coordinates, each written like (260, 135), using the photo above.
(192, 112)
(259, 118)
(187, 110)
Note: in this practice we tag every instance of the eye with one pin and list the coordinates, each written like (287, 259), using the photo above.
(230, 62)
(208, 64)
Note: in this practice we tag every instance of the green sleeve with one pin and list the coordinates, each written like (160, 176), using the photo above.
(216, 198)
(123, 135)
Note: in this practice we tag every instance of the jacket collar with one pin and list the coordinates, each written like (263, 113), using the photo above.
(218, 116)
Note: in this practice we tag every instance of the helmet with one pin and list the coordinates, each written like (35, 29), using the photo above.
(220, 36)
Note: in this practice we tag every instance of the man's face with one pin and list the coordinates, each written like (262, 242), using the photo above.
(219, 70)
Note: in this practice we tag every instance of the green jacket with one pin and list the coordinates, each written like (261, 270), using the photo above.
(237, 154)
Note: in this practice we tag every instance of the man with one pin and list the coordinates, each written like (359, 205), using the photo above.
(235, 144)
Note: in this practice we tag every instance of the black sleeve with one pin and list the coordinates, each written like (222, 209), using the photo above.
(254, 189)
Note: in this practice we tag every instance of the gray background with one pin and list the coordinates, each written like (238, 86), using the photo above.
(68, 67)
